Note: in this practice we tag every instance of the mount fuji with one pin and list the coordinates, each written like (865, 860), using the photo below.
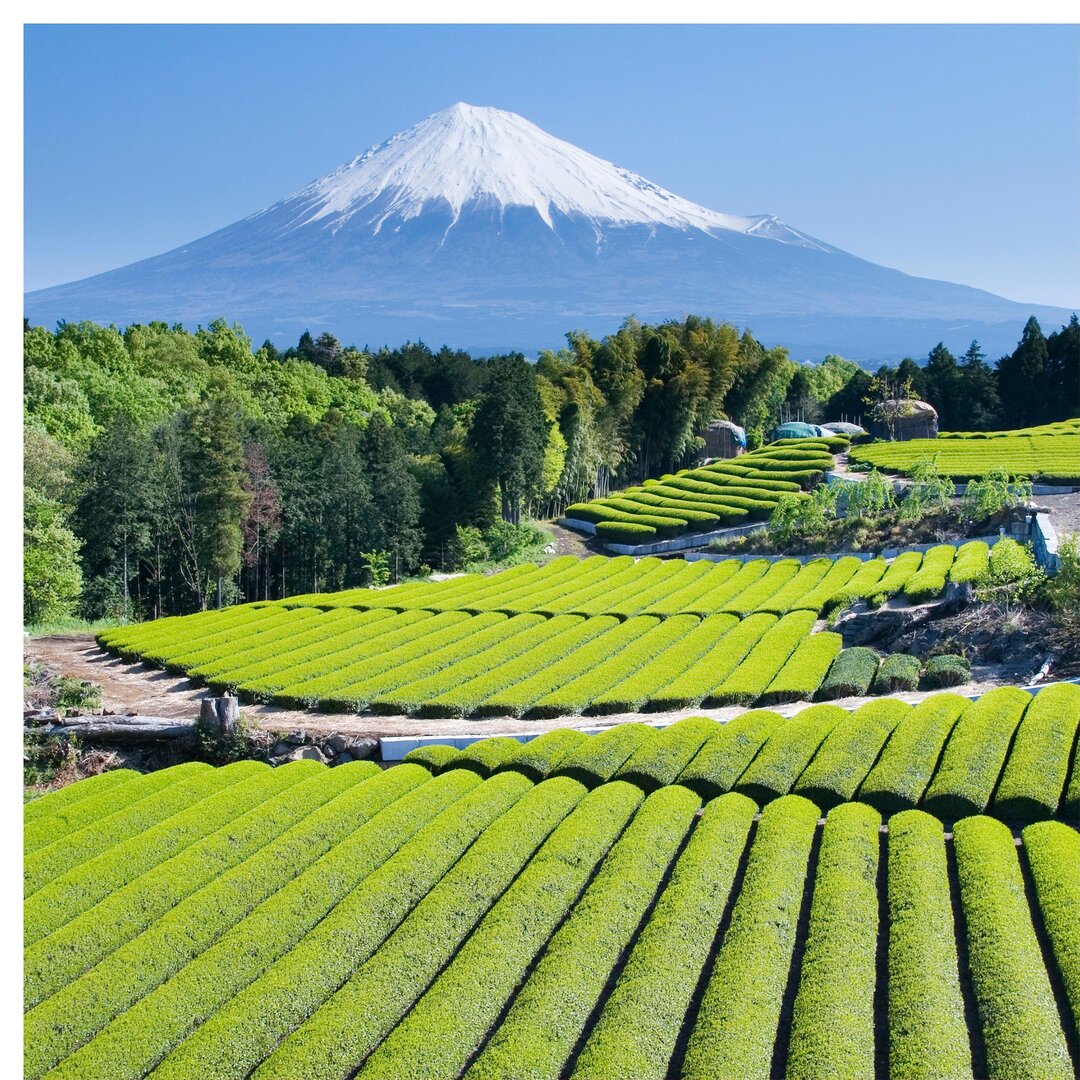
(477, 229)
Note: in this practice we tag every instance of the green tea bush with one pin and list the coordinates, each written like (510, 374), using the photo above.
(946, 670)
(897, 672)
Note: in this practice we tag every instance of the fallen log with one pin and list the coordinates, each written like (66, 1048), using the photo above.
(122, 729)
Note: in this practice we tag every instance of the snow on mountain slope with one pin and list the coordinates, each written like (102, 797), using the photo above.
(477, 229)
(467, 153)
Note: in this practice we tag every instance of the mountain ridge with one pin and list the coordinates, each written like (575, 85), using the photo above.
(476, 228)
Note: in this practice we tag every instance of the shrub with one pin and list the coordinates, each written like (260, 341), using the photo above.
(850, 674)
(625, 532)
(1053, 853)
(832, 1026)
(551, 1011)
(636, 1032)
(946, 670)
(928, 582)
(485, 756)
(300, 827)
(900, 775)
(725, 756)
(897, 672)
(1020, 1023)
(975, 754)
(353, 895)
(1038, 762)
(434, 758)
(895, 578)
(457, 883)
(787, 752)
(802, 674)
(660, 760)
(595, 761)
(504, 944)
(740, 1010)
(848, 753)
(538, 757)
(928, 1036)
(751, 678)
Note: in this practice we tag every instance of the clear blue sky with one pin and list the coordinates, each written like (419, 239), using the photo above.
(948, 152)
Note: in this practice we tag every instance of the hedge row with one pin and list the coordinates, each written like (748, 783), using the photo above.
(517, 636)
(805, 669)
(336, 1036)
(928, 1037)
(717, 766)
(64, 803)
(636, 1031)
(1038, 762)
(840, 573)
(326, 812)
(737, 1025)
(763, 663)
(1053, 853)
(470, 696)
(972, 562)
(486, 756)
(1020, 1024)
(538, 757)
(782, 760)
(902, 772)
(755, 595)
(355, 893)
(946, 670)
(661, 759)
(928, 582)
(484, 840)
(975, 754)
(851, 674)
(895, 579)
(841, 762)
(697, 683)
(550, 1012)
(433, 757)
(211, 798)
(860, 586)
(108, 815)
(832, 1026)
(898, 671)
(695, 640)
(596, 761)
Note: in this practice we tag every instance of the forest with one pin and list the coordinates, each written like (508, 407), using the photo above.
(168, 471)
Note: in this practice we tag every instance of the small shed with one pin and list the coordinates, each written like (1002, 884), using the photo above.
(723, 439)
(795, 429)
(903, 419)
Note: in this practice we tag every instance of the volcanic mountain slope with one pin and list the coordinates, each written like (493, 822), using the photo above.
(478, 229)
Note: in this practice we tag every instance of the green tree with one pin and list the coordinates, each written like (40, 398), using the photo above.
(52, 580)
(1063, 372)
(510, 433)
(116, 513)
(393, 523)
(978, 407)
(1022, 381)
(942, 385)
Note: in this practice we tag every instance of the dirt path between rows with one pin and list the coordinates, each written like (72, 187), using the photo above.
(149, 691)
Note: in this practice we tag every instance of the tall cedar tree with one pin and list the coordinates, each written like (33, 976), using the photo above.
(979, 407)
(116, 513)
(205, 492)
(1022, 379)
(393, 523)
(509, 433)
(1063, 371)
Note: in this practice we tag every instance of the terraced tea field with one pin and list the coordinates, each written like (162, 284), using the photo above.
(561, 908)
(1050, 454)
(597, 635)
(730, 492)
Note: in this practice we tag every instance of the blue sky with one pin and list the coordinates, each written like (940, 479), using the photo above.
(948, 152)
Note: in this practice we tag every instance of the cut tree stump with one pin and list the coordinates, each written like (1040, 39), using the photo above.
(220, 715)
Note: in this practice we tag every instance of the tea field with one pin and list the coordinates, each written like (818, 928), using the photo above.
(1050, 454)
(598, 635)
(578, 906)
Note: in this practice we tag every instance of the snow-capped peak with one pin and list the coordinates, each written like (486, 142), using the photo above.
(467, 153)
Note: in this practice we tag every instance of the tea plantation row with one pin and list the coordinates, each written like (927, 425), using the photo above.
(306, 923)
(602, 635)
